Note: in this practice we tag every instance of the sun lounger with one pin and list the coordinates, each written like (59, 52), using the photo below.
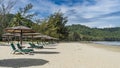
(35, 46)
(14, 49)
(23, 51)
(19, 47)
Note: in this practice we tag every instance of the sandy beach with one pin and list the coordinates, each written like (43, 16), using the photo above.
(61, 55)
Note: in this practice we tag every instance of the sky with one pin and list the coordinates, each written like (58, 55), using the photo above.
(92, 13)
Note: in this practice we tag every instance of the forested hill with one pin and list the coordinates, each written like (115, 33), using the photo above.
(81, 32)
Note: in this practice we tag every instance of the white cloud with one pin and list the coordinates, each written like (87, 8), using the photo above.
(91, 12)
(77, 13)
(99, 25)
(106, 26)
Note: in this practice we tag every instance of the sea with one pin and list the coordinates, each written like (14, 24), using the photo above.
(114, 43)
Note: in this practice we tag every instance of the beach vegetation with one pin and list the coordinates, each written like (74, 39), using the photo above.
(54, 25)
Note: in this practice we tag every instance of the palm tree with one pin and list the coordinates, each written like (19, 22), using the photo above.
(22, 16)
(18, 20)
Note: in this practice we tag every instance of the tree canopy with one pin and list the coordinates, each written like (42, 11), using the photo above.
(90, 34)
(55, 26)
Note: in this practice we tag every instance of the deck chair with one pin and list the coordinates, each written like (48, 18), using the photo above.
(14, 49)
(19, 50)
(19, 47)
(35, 46)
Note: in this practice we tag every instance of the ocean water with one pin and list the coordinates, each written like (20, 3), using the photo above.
(117, 43)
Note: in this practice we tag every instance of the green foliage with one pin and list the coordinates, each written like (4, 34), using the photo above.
(74, 36)
(94, 34)
(22, 17)
(6, 22)
(5, 8)
(55, 26)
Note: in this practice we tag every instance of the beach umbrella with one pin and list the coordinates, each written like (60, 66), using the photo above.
(55, 39)
(48, 37)
(19, 29)
(17, 36)
(7, 35)
(31, 34)
(45, 37)
(40, 36)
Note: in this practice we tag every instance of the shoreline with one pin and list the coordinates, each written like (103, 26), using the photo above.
(113, 48)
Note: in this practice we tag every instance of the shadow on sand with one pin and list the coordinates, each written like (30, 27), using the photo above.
(23, 62)
(45, 52)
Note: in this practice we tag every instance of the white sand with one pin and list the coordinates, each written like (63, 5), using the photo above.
(64, 55)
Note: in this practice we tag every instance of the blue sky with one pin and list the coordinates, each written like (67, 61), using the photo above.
(92, 13)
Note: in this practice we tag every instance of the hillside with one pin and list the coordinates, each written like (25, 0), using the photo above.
(81, 32)
(76, 32)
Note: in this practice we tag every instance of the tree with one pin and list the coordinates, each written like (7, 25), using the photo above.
(4, 11)
(22, 17)
(55, 26)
